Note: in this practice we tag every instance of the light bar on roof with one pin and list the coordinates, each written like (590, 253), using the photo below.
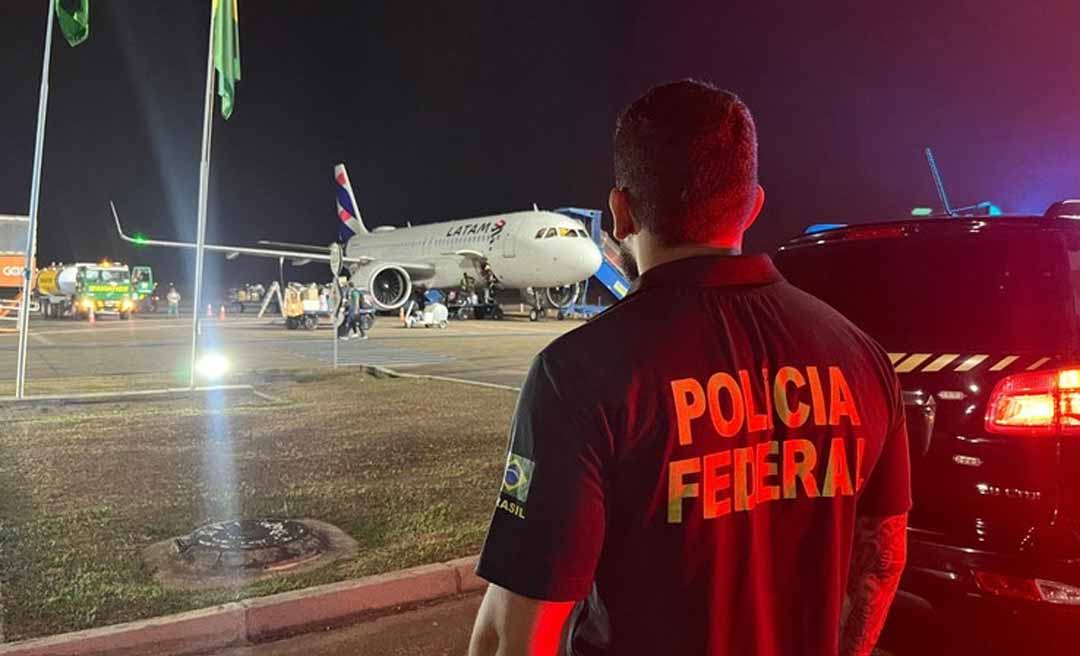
(815, 228)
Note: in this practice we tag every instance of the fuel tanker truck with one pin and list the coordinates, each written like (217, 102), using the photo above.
(78, 289)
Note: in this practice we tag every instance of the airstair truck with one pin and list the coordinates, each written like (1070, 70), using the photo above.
(85, 288)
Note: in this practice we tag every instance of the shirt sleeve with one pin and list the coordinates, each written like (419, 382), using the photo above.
(548, 526)
(887, 491)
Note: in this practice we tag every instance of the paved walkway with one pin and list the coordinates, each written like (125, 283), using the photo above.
(116, 352)
(440, 630)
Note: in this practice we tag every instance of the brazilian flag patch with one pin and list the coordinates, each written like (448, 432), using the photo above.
(518, 477)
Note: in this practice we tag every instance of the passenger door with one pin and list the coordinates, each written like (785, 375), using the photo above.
(508, 236)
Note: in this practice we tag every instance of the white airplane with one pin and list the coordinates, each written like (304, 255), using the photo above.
(544, 252)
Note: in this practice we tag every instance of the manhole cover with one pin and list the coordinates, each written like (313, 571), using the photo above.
(247, 550)
(248, 544)
(247, 534)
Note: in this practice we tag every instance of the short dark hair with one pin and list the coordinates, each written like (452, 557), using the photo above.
(687, 154)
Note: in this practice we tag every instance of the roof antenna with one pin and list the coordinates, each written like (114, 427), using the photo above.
(938, 183)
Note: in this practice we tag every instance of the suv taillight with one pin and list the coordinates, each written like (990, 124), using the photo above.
(1036, 403)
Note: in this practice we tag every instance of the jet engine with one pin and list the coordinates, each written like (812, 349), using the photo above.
(390, 285)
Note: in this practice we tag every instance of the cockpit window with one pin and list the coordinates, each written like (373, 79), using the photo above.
(546, 233)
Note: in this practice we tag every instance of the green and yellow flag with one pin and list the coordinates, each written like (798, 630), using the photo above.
(226, 52)
(74, 19)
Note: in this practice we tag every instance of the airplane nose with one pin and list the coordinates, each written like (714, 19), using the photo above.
(591, 261)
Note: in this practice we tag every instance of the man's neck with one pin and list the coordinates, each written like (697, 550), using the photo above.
(665, 255)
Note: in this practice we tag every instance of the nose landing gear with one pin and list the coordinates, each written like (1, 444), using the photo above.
(557, 298)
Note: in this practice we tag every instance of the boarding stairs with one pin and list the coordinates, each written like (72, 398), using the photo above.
(612, 274)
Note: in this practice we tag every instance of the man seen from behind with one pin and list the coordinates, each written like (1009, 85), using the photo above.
(718, 464)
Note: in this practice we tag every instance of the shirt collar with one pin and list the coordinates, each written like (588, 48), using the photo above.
(712, 271)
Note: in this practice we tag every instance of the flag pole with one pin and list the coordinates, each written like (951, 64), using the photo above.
(204, 184)
(35, 194)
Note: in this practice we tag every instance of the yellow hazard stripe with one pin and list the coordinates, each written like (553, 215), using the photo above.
(1004, 362)
(971, 363)
(912, 362)
(1038, 363)
(934, 362)
(941, 362)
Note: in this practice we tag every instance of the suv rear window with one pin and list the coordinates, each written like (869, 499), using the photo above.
(956, 292)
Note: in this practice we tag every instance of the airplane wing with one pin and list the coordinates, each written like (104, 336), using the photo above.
(418, 270)
(288, 244)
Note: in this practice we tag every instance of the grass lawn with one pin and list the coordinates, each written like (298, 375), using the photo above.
(408, 468)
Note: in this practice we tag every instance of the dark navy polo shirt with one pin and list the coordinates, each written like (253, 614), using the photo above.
(692, 462)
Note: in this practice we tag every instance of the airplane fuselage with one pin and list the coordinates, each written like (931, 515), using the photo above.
(523, 249)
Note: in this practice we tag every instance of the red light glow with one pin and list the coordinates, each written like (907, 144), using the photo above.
(1037, 403)
(1007, 586)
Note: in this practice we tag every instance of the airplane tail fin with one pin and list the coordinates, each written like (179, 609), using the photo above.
(351, 223)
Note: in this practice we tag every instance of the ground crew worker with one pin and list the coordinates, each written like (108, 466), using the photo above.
(345, 331)
(342, 313)
(355, 298)
(709, 481)
(173, 297)
(364, 313)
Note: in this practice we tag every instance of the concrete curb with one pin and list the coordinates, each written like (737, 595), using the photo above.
(128, 395)
(262, 618)
(393, 373)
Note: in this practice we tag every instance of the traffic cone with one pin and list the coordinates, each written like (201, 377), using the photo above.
(221, 313)
(401, 315)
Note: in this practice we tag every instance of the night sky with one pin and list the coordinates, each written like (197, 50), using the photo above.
(450, 109)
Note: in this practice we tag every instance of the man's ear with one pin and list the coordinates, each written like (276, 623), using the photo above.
(619, 202)
(755, 210)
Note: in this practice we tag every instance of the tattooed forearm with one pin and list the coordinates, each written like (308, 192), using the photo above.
(877, 559)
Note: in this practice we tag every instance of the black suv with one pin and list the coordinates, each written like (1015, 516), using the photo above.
(981, 318)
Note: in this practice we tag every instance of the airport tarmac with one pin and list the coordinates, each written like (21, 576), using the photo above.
(497, 352)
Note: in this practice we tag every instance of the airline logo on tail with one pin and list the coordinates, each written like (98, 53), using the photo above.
(351, 224)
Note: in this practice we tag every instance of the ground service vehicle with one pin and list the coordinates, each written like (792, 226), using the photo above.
(981, 318)
(12, 263)
(82, 288)
(144, 289)
(434, 315)
(241, 297)
(302, 307)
